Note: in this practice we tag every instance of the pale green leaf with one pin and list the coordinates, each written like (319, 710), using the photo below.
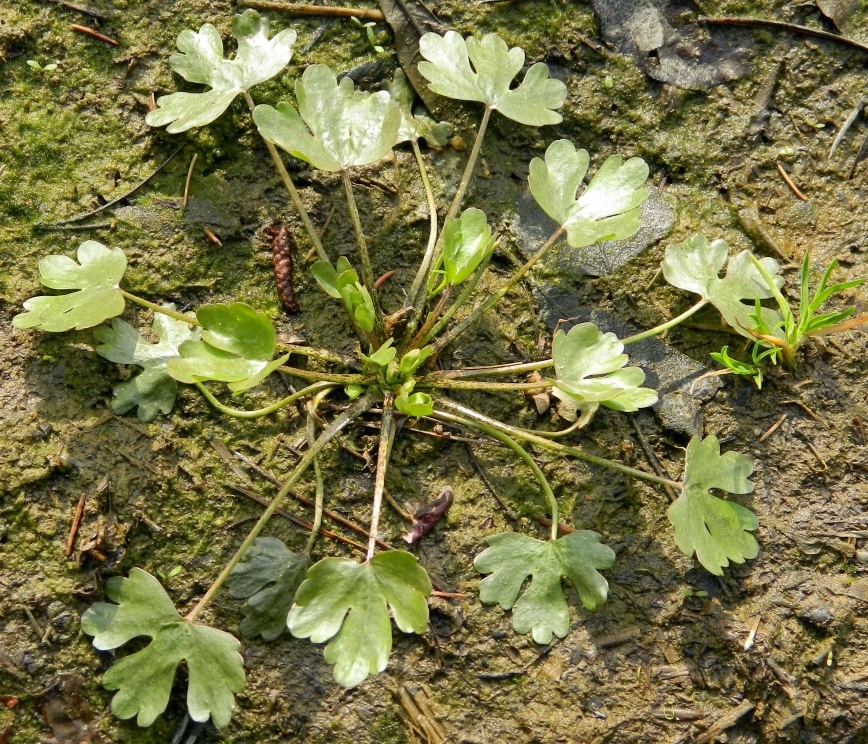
(416, 404)
(237, 347)
(201, 61)
(144, 679)
(153, 390)
(268, 577)
(467, 242)
(449, 73)
(608, 209)
(335, 127)
(512, 558)
(347, 604)
(96, 276)
(590, 368)
(695, 264)
(717, 531)
(416, 126)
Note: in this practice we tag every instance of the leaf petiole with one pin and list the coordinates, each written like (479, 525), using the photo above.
(160, 309)
(260, 412)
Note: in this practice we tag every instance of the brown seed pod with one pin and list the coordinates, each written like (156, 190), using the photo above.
(281, 257)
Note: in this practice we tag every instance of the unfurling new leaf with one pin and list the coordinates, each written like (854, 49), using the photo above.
(717, 531)
(488, 81)
(590, 370)
(144, 679)
(467, 242)
(237, 347)
(96, 276)
(268, 576)
(153, 390)
(336, 126)
(347, 604)
(608, 209)
(511, 558)
(201, 61)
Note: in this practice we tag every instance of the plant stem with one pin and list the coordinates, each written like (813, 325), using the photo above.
(160, 309)
(469, 286)
(361, 243)
(448, 384)
(664, 326)
(387, 436)
(306, 374)
(259, 412)
(310, 431)
(497, 369)
(495, 433)
(327, 356)
(425, 331)
(469, 167)
(416, 297)
(554, 446)
(479, 310)
(353, 412)
(293, 192)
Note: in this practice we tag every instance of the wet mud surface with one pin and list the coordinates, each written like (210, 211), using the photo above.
(667, 658)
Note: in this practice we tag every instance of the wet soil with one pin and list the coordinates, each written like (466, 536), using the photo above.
(665, 659)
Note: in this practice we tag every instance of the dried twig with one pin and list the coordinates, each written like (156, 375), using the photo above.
(789, 182)
(782, 26)
(845, 127)
(773, 428)
(315, 10)
(724, 722)
(187, 182)
(76, 522)
(93, 34)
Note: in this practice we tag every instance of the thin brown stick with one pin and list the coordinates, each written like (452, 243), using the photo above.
(789, 182)
(773, 428)
(81, 9)
(76, 523)
(315, 10)
(782, 26)
(187, 182)
(296, 520)
(93, 34)
(120, 198)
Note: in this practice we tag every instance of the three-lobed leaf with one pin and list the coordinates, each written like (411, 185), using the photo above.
(449, 72)
(144, 679)
(695, 265)
(267, 576)
(96, 277)
(717, 531)
(335, 126)
(237, 347)
(608, 208)
(153, 390)
(512, 558)
(347, 604)
(201, 61)
(590, 368)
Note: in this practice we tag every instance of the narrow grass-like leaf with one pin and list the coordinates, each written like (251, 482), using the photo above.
(512, 558)
(96, 277)
(717, 531)
(144, 679)
(347, 604)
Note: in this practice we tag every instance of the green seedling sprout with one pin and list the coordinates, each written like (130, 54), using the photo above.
(346, 604)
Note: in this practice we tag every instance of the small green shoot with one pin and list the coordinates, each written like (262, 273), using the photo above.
(201, 61)
(50, 67)
(717, 531)
(96, 276)
(744, 369)
(144, 679)
(369, 30)
(267, 577)
(511, 558)
(347, 604)
(494, 67)
(154, 390)
(237, 347)
(608, 208)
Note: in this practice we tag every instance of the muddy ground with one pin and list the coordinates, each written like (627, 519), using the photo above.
(664, 660)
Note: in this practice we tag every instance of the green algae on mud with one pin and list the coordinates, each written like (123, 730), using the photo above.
(568, 679)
